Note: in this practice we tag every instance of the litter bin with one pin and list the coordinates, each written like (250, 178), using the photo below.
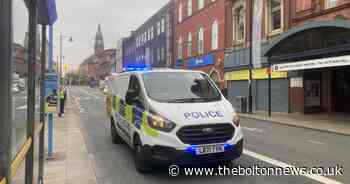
(241, 102)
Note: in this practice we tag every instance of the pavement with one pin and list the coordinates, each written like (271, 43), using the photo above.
(71, 162)
(85, 153)
(332, 122)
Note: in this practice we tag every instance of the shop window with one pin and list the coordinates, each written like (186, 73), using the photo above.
(239, 21)
(214, 35)
(189, 8)
(200, 40)
(330, 3)
(189, 44)
(274, 8)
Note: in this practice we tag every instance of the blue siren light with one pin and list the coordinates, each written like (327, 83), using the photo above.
(130, 68)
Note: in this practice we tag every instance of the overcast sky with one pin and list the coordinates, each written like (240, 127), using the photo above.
(80, 18)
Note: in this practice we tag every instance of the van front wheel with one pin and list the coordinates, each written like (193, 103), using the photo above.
(140, 161)
(116, 139)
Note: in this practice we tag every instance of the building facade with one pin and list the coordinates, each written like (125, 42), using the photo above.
(129, 51)
(200, 36)
(154, 39)
(105, 62)
(305, 41)
(118, 63)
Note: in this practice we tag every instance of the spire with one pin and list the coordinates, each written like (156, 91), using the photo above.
(99, 44)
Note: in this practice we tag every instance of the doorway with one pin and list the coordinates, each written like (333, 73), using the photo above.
(341, 90)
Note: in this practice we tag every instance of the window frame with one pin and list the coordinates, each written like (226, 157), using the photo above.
(268, 19)
(200, 44)
(189, 44)
(215, 35)
(236, 9)
(189, 8)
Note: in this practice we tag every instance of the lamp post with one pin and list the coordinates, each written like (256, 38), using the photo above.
(61, 54)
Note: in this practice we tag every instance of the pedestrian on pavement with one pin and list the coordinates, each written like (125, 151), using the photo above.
(61, 97)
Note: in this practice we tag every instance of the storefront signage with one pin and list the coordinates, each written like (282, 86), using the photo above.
(201, 61)
(296, 82)
(261, 73)
(315, 63)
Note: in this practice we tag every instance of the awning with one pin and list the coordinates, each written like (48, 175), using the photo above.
(47, 12)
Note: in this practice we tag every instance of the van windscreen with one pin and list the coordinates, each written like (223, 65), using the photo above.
(180, 87)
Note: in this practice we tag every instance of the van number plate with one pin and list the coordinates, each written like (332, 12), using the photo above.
(202, 150)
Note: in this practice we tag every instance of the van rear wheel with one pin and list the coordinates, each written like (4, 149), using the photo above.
(140, 161)
(116, 139)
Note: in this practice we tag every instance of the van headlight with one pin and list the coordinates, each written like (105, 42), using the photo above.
(159, 123)
(236, 120)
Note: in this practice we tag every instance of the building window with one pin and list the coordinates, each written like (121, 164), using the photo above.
(274, 15)
(189, 8)
(163, 25)
(152, 32)
(179, 48)
(201, 40)
(158, 54)
(162, 53)
(200, 4)
(180, 12)
(330, 3)
(239, 21)
(149, 34)
(189, 44)
(214, 35)
(158, 28)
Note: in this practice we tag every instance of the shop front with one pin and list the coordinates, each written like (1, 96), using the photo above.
(237, 85)
(316, 57)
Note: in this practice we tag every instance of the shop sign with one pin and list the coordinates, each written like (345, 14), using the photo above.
(201, 61)
(296, 82)
(260, 73)
(314, 63)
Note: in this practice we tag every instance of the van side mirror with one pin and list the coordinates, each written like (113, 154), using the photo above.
(131, 96)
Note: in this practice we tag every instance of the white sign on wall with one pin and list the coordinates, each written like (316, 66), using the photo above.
(296, 82)
(314, 63)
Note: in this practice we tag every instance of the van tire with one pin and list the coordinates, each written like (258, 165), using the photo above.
(141, 164)
(116, 139)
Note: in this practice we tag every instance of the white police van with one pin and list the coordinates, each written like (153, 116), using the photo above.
(173, 117)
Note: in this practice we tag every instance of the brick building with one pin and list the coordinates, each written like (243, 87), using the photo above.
(307, 44)
(200, 36)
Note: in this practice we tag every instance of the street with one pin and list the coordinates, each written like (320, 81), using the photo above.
(266, 144)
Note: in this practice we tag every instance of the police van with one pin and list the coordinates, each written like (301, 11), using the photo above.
(172, 117)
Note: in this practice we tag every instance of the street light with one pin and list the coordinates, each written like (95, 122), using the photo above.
(61, 54)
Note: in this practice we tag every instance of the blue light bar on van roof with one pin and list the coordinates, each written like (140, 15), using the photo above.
(130, 68)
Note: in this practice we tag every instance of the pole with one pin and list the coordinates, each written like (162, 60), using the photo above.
(6, 121)
(42, 103)
(50, 115)
(250, 98)
(50, 48)
(269, 87)
(61, 57)
(31, 90)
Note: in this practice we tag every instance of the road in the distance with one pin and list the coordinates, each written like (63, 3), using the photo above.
(291, 145)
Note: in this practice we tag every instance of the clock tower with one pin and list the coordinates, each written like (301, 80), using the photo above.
(99, 44)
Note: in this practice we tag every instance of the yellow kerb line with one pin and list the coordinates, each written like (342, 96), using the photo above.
(20, 157)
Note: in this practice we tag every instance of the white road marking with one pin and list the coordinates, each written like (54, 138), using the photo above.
(253, 129)
(272, 161)
(86, 92)
(87, 98)
(315, 142)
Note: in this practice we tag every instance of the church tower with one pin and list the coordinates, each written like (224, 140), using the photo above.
(99, 44)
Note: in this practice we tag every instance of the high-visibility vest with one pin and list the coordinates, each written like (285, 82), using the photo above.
(61, 95)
